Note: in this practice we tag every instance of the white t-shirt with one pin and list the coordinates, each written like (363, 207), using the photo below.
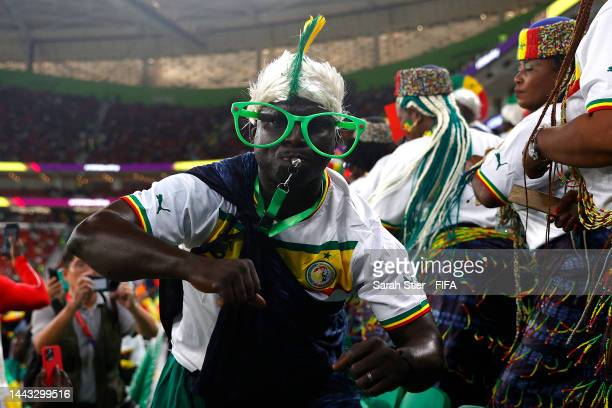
(391, 209)
(592, 91)
(330, 253)
(503, 168)
(471, 210)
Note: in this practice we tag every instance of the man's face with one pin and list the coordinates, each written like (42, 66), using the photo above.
(75, 269)
(534, 82)
(274, 163)
(417, 125)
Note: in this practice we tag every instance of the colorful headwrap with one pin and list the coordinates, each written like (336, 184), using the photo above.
(377, 132)
(545, 39)
(424, 81)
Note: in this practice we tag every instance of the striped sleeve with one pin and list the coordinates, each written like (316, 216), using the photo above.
(599, 104)
(179, 209)
(407, 317)
(594, 56)
(493, 190)
(392, 293)
(139, 210)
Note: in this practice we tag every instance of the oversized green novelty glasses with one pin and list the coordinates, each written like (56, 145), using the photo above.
(330, 134)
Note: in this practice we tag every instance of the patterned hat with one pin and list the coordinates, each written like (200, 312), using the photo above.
(425, 81)
(377, 132)
(545, 39)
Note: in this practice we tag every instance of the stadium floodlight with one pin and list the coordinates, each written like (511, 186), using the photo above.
(88, 202)
(13, 166)
(102, 167)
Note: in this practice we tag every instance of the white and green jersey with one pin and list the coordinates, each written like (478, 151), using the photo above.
(330, 253)
(503, 168)
(591, 91)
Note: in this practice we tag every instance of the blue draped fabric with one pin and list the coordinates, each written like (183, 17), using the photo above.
(282, 353)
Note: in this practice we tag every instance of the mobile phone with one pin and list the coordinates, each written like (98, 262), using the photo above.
(10, 230)
(51, 358)
(52, 273)
(101, 284)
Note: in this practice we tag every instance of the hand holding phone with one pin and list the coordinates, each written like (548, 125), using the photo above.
(10, 238)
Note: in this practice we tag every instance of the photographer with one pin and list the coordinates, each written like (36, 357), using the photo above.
(89, 330)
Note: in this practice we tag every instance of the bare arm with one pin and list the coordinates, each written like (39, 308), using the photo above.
(54, 331)
(145, 324)
(422, 345)
(113, 244)
(483, 194)
(584, 142)
(416, 364)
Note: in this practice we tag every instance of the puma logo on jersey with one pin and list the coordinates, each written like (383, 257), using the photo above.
(499, 163)
(160, 208)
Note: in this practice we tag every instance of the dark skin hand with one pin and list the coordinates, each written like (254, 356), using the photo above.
(585, 142)
(565, 215)
(137, 255)
(423, 361)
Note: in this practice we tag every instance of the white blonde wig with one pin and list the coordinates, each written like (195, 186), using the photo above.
(319, 82)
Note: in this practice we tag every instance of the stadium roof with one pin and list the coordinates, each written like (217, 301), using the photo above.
(59, 30)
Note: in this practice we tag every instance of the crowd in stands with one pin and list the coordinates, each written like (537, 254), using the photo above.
(48, 127)
(40, 309)
(39, 242)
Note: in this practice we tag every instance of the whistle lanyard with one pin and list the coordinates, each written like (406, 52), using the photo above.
(83, 324)
(267, 223)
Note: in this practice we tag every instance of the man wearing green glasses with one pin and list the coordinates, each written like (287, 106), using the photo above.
(265, 248)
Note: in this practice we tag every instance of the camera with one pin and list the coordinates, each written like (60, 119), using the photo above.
(101, 284)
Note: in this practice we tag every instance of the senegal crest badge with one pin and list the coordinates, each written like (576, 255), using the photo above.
(320, 275)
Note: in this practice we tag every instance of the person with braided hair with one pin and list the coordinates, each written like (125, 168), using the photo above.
(415, 189)
(421, 194)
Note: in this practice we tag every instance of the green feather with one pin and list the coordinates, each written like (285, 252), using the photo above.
(296, 65)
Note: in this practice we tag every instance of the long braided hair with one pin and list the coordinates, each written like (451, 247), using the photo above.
(436, 176)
